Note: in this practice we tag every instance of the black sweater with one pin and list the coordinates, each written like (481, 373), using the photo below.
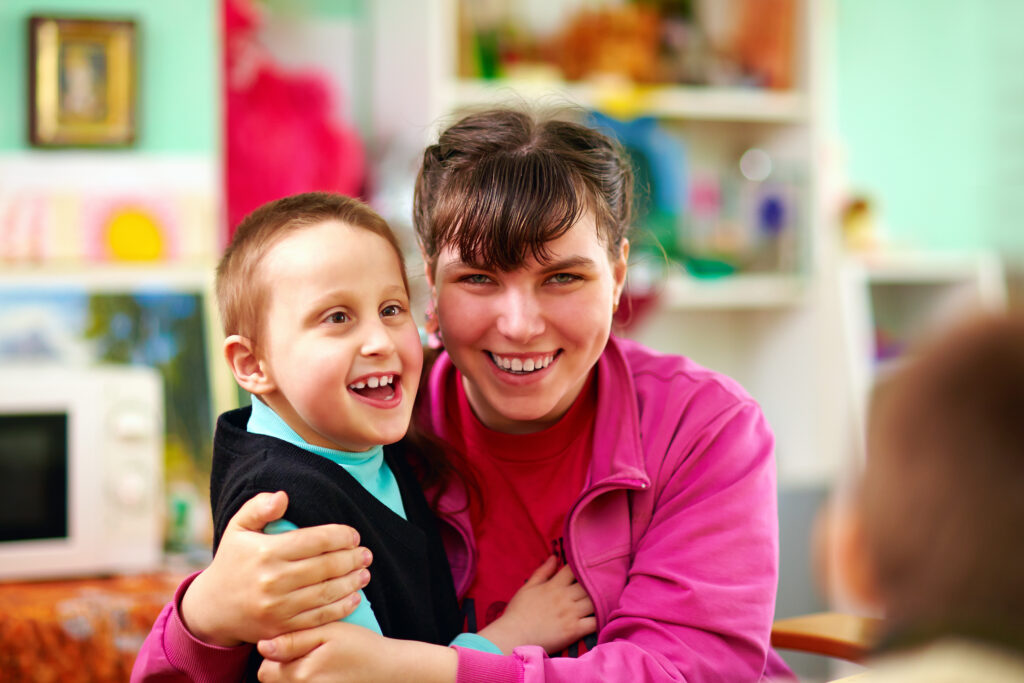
(410, 590)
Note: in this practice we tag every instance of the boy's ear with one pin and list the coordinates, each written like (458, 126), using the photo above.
(246, 366)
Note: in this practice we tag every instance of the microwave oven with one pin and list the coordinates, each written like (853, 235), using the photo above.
(81, 470)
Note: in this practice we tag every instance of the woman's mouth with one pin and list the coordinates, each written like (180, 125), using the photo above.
(523, 364)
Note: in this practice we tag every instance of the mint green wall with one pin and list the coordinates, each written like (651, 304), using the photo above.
(179, 96)
(930, 94)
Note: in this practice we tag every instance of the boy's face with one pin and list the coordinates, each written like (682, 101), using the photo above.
(341, 349)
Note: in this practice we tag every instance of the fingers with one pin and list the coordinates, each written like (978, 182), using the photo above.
(260, 510)
(311, 541)
(584, 607)
(328, 601)
(544, 572)
(290, 646)
(563, 577)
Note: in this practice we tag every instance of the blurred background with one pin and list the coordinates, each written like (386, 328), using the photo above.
(822, 183)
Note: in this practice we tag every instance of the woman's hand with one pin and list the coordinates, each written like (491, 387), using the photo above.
(551, 610)
(261, 585)
(340, 652)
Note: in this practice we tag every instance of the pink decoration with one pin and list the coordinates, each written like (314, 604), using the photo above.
(279, 134)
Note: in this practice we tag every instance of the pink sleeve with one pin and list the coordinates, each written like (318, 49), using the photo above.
(700, 594)
(171, 653)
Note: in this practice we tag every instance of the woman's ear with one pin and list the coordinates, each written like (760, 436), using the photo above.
(428, 272)
(249, 372)
(619, 267)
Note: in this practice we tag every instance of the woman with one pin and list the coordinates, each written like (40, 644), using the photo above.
(652, 477)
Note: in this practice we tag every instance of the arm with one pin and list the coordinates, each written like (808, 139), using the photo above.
(699, 594)
(258, 585)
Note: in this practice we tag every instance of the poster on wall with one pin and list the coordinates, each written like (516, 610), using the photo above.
(82, 80)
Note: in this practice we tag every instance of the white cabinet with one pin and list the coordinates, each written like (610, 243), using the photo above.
(894, 301)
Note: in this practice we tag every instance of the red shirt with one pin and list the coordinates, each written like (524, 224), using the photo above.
(529, 482)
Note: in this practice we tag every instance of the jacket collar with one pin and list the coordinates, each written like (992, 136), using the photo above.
(618, 449)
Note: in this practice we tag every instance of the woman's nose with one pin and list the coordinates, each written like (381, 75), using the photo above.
(520, 318)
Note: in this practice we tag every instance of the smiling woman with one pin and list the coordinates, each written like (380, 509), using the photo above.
(650, 478)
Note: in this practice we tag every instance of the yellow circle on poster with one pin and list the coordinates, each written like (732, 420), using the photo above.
(134, 235)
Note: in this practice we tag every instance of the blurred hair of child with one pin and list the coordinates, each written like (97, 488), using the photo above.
(935, 536)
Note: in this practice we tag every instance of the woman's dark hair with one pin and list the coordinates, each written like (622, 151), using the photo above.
(500, 184)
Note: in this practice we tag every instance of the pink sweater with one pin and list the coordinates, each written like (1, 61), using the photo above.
(675, 538)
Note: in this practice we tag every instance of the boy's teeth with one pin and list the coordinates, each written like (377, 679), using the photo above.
(374, 382)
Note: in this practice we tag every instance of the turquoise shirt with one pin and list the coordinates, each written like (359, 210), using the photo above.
(373, 474)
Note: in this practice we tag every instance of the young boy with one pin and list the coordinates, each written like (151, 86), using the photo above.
(936, 536)
(315, 305)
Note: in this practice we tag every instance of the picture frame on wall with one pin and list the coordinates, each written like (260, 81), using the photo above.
(83, 82)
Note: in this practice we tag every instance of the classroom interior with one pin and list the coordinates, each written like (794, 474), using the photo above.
(824, 184)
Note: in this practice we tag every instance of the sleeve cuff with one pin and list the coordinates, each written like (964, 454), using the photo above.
(475, 641)
(475, 666)
(200, 661)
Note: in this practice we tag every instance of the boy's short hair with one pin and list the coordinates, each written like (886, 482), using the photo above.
(943, 492)
(241, 293)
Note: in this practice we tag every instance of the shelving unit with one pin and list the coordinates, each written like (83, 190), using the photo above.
(893, 301)
(663, 102)
(763, 327)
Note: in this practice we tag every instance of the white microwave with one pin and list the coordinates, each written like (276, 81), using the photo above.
(81, 470)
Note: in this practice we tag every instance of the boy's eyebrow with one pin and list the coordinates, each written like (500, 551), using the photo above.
(330, 298)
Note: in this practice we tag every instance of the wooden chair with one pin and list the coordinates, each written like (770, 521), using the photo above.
(830, 634)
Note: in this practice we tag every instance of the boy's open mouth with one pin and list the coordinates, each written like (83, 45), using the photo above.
(377, 387)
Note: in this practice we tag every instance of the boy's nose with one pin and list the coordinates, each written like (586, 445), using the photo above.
(520, 318)
(378, 340)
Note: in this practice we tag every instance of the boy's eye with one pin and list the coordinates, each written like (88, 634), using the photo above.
(476, 279)
(338, 317)
(563, 278)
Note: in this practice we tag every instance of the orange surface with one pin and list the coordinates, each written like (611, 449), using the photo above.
(80, 630)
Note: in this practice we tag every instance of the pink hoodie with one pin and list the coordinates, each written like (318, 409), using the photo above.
(675, 538)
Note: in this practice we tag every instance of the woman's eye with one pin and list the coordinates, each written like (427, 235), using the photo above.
(564, 278)
(391, 311)
(338, 317)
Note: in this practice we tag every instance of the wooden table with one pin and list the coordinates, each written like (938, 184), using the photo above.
(87, 630)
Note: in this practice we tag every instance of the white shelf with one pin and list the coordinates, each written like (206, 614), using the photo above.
(112, 277)
(743, 291)
(667, 102)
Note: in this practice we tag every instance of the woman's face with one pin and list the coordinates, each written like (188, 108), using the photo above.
(525, 340)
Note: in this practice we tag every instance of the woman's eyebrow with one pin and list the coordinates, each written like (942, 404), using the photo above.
(568, 264)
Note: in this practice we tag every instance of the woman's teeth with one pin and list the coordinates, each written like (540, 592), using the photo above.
(522, 365)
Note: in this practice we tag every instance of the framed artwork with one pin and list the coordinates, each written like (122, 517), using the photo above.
(82, 82)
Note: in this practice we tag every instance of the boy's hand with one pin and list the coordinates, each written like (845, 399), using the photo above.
(551, 610)
(260, 585)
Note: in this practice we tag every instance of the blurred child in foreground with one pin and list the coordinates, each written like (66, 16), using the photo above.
(935, 535)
